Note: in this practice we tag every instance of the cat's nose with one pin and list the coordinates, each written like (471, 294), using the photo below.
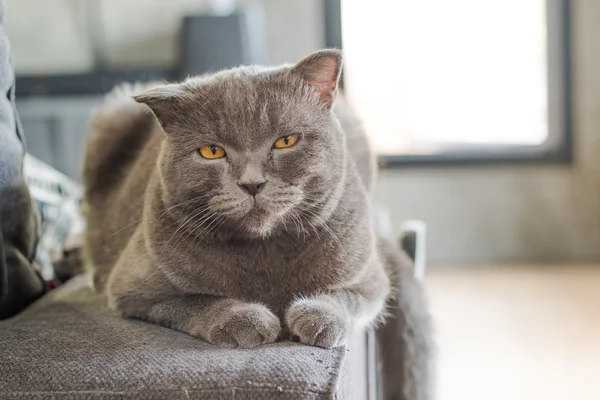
(253, 188)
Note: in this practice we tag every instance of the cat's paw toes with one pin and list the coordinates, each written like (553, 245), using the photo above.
(317, 323)
(245, 326)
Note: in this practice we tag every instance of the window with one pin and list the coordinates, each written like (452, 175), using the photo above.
(459, 79)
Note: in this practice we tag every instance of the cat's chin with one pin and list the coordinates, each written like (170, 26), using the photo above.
(260, 231)
(258, 223)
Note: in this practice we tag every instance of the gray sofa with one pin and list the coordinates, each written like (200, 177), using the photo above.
(68, 345)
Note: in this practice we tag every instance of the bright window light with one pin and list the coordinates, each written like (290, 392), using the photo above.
(428, 75)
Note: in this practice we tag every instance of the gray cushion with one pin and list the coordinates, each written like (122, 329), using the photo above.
(68, 345)
(19, 283)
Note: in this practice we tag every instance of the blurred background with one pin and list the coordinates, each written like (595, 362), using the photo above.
(484, 113)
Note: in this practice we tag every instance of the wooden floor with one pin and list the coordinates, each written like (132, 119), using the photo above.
(512, 333)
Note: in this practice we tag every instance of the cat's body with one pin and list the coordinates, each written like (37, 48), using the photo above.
(117, 180)
(177, 242)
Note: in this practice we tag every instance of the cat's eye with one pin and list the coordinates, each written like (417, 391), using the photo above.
(286, 141)
(211, 152)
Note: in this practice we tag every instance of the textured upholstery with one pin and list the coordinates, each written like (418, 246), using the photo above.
(68, 345)
(19, 283)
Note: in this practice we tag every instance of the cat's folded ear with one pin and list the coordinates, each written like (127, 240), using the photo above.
(162, 100)
(321, 70)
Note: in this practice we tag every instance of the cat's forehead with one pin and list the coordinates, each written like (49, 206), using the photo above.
(244, 85)
(249, 105)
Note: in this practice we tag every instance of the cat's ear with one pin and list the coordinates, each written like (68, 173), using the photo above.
(321, 70)
(162, 100)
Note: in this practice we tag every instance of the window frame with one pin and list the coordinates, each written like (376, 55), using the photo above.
(558, 149)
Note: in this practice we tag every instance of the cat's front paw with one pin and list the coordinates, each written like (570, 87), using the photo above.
(317, 323)
(246, 326)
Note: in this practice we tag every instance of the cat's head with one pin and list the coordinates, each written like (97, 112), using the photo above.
(253, 149)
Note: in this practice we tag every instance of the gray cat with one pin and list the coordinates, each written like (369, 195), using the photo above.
(235, 207)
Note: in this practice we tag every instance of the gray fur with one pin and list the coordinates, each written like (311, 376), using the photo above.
(176, 241)
(405, 347)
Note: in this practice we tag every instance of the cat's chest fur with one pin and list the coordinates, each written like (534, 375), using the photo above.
(272, 272)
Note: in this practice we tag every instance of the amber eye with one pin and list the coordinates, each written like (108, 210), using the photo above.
(286, 141)
(212, 152)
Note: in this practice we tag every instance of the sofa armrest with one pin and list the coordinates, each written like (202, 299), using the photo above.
(68, 345)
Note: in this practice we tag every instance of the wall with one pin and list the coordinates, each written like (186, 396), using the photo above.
(294, 28)
(137, 32)
(516, 213)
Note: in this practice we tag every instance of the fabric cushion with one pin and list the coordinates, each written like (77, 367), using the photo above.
(68, 345)
(19, 282)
